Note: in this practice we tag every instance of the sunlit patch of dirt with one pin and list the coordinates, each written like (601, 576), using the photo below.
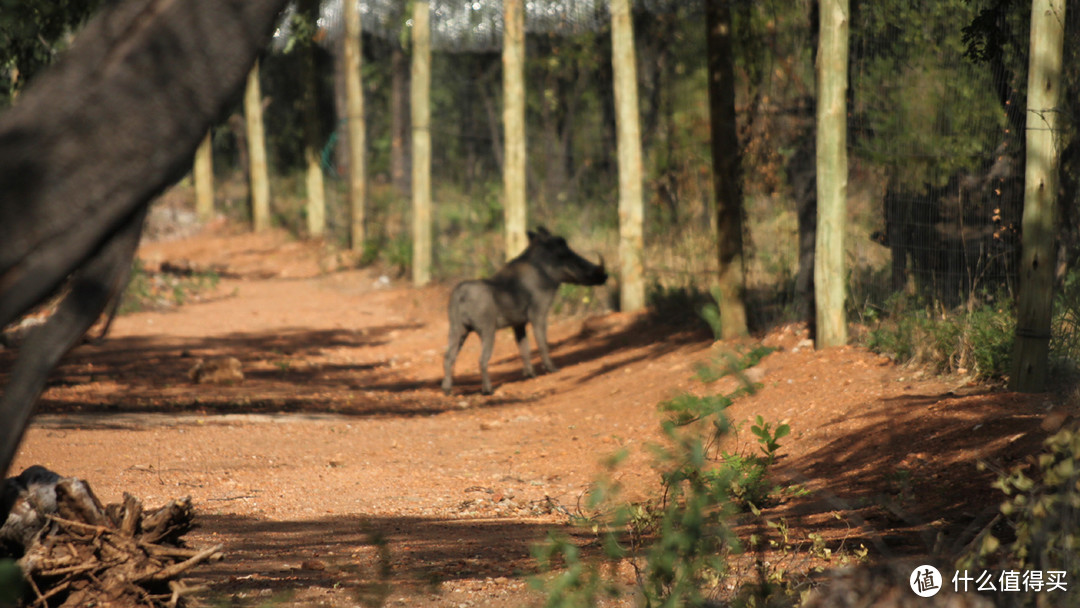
(337, 472)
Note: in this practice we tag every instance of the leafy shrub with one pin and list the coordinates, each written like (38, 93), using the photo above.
(581, 584)
(770, 441)
(398, 254)
(1065, 328)
(1042, 508)
(711, 313)
(147, 290)
(681, 542)
(686, 408)
(979, 341)
(732, 362)
(12, 583)
(989, 337)
(744, 479)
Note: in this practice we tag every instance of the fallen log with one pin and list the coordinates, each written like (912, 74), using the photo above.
(75, 552)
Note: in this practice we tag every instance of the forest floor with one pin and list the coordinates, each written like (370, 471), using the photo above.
(337, 473)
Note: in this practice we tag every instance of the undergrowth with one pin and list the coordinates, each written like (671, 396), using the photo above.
(977, 342)
(1065, 328)
(12, 583)
(1041, 532)
(681, 543)
(146, 290)
(977, 339)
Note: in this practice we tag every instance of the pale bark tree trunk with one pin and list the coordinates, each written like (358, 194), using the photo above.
(627, 119)
(513, 58)
(256, 137)
(316, 193)
(1038, 257)
(726, 171)
(832, 173)
(354, 101)
(421, 143)
(203, 175)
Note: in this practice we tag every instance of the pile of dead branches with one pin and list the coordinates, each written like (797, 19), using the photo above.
(75, 552)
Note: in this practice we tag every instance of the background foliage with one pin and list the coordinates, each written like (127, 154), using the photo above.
(935, 135)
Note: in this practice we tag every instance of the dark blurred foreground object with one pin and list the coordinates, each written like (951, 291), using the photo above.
(887, 585)
(87, 147)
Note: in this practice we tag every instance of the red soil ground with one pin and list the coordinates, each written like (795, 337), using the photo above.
(338, 474)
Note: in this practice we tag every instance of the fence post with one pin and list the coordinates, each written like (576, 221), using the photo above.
(513, 58)
(256, 136)
(627, 120)
(203, 176)
(421, 143)
(354, 102)
(726, 168)
(1035, 302)
(832, 172)
(316, 191)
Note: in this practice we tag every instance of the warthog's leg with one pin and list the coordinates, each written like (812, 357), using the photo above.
(487, 344)
(540, 330)
(458, 333)
(523, 346)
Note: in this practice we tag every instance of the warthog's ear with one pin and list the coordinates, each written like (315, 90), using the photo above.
(540, 234)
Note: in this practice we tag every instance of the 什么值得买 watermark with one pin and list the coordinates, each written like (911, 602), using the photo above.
(927, 581)
(1010, 581)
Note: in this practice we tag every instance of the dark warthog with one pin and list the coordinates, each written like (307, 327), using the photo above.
(519, 294)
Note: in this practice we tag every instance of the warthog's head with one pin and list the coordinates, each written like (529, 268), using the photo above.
(562, 263)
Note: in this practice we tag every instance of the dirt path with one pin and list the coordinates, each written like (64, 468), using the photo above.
(336, 473)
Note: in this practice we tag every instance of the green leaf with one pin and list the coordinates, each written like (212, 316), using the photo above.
(11, 582)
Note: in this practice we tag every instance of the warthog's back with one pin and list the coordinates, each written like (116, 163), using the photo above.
(483, 302)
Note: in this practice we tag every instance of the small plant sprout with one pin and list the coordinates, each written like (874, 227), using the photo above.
(769, 439)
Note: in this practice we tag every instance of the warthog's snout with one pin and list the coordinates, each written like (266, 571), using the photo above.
(599, 276)
(519, 294)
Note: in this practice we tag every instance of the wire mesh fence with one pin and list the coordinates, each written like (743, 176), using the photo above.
(935, 133)
(943, 152)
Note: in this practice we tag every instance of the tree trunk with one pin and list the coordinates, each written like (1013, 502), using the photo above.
(513, 58)
(631, 206)
(802, 173)
(203, 174)
(316, 194)
(354, 101)
(832, 173)
(726, 170)
(256, 137)
(76, 191)
(1037, 261)
(421, 143)
(399, 121)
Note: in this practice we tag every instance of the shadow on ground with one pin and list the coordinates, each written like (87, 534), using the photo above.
(905, 482)
(294, 370)
(366, 558)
